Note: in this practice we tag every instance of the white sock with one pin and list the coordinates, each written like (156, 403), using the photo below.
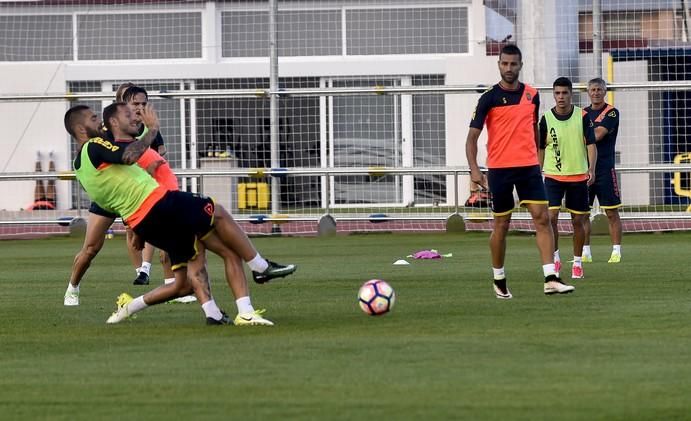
(586, 250)
(258, 264)
(499, 273)
(70, 288)
(211, 310)
(146, 268)
(616, 249)
(577, 261)
(136, 305)
(556, 256)
(168, 281)
(548, 269)
(244, 305)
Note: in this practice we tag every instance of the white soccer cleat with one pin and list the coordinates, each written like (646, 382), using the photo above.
(185, 300)
(556, 286)
(71, 298)
(501, 290)
(252, 319)
(121, 313)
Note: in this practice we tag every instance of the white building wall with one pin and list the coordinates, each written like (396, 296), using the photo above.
(29, 127)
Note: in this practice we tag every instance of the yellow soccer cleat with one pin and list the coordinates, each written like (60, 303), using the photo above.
(614, 258)
(121, 313)
(587, 259)
(252, 319)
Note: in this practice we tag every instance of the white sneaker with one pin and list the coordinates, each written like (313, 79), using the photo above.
(184, 300)
(252, 319)
(121, 313)
(72, 298)
(556, 286)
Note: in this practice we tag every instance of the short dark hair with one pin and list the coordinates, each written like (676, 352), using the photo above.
(598, 81)
(132, 91)
(109, 112)
(73, 116)
(511, 50)
(563, 82)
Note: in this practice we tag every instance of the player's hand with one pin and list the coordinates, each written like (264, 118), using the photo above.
(591, 178)
(150, 118)
(477, 177)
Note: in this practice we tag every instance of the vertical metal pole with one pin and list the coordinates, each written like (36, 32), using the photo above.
(597, 38)
(455, 184)
(273, 104)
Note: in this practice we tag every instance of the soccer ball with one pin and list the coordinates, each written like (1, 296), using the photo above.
(376, 297)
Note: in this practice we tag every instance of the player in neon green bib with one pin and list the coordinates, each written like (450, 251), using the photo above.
(568, 156)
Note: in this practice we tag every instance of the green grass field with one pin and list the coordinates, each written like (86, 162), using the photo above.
(618, 348)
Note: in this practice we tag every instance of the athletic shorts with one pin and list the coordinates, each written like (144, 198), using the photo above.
(606, 188)
(176, 222)
(574, 193)
(528, 183)
(95, 209)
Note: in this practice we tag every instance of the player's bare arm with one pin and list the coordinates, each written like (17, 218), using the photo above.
(592, 161)
(476, 175)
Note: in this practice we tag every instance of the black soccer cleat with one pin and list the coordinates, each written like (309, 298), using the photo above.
(142, 279)
(274, 270)
(225, 320)
(501, 290)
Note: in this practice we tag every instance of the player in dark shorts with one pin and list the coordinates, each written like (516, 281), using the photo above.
(509, 109)
(606, 187)
(568, 156)
(106, 172)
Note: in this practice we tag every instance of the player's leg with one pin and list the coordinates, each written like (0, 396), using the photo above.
(501, 188)
(555, 193)
(578, 240)
(142, 267)
(235, 276)
(587, 254)
(189, 265)
(169, 278)
(577, 204)
(233, 237)
(611, 201)
(96, 228)
(615, 233)
(532, 194)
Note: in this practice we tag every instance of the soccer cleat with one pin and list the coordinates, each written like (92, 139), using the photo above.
(72, 298)
(501, 290)
(554, 285)
(587, 259)
(225, 320)
(252, 319)
(142, 279)
(184, 300)
(614, 258)
(274, 270)
(557, 265)
(121, 313)
(577, 272)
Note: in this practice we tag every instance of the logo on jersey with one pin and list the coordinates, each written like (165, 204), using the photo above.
(528, 96)
(105, 143)
(503, 100)
(555, 148)
(209, 209)
(612, 114)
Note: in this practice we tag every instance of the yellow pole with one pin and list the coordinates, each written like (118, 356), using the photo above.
(610, 78)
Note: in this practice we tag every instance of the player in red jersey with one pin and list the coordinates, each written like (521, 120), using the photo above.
(509, 109)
